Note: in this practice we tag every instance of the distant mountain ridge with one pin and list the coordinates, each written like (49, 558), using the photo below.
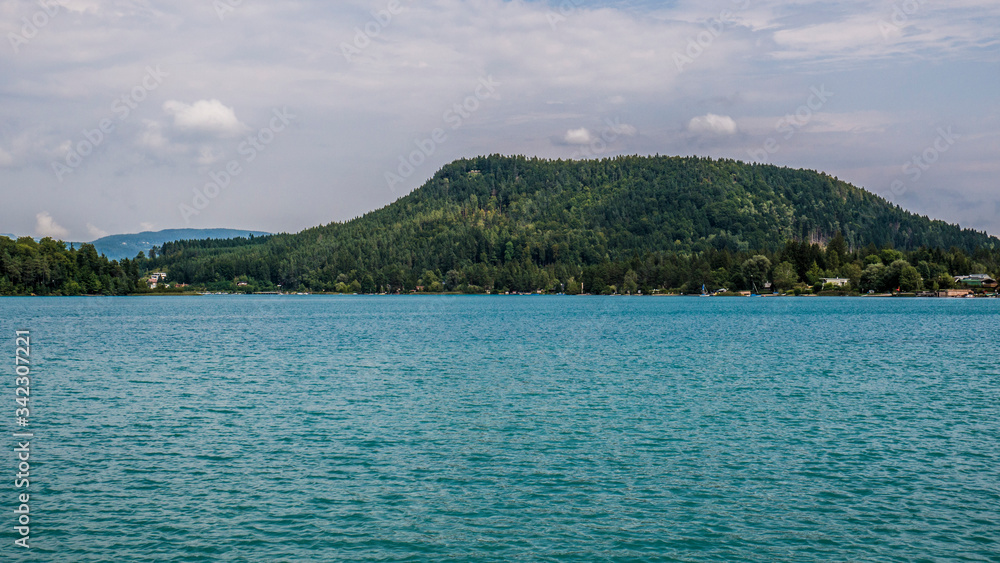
(117, 247)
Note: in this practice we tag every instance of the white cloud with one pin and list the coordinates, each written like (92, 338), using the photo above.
(858, 122)
(96, 232)
(207, 156)
(624, 129)
(579, 136)
(81, 5)
(205, 116)
(152, 137)
(46, 226)
(857, 35)
(712, 124)
(5, 158)
(873, 30)
(146, 226)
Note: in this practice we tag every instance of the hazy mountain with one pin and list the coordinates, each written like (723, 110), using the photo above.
(116, 247)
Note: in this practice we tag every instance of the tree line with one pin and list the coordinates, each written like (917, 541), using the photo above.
(48, 267)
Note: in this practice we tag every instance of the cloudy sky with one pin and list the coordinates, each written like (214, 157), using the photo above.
(126, 115)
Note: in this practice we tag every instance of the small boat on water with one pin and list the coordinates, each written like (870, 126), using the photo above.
(704, 292)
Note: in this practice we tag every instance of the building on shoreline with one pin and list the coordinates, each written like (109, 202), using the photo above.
(976, 280)
(155, 278)
(954, 293)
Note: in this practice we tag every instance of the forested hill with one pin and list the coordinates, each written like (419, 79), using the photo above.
(493, 220)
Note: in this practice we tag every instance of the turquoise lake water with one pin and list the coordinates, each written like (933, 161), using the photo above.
(281, 428)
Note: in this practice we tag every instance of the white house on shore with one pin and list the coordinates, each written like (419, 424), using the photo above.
(839, 282)
(156, 278)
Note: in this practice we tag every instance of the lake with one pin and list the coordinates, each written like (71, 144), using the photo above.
(367, 428)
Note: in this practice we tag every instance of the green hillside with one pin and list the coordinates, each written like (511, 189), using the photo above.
(655, 222)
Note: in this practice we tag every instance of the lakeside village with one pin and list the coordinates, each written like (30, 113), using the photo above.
(969, 286)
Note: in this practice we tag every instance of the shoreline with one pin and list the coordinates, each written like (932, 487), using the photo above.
(447, 294)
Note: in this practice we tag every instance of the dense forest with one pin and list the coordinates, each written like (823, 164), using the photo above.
(47, 267)
(615, 225)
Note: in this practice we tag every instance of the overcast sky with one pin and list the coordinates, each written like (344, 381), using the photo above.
(127, 115)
